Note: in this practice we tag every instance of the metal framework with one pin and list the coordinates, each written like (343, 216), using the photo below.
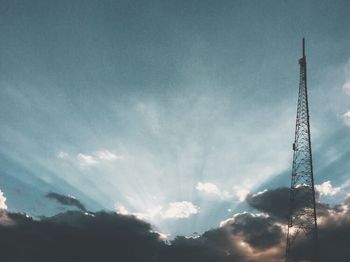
(302, 222)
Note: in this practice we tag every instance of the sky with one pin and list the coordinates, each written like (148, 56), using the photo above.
(173, 111)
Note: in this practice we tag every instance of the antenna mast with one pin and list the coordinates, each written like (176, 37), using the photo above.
(302, 221)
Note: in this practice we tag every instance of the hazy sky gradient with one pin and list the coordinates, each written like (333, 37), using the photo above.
(132, 104)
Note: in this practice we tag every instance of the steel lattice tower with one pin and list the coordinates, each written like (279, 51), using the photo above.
(302, 223)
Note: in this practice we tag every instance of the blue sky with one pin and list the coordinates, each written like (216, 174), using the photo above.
(171, 110)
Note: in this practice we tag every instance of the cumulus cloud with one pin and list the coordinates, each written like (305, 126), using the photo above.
(3, 205)
(4, 219)
(174, 210)
(257, 230)
(66, 200)
(181, 209)
(273, 202)
(211, 189)
(327, 189)
(346, 118)
(208, 188)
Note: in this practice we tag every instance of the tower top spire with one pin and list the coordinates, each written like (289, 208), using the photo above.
(303, 47)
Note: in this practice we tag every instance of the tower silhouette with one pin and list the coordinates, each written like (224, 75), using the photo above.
(302, 222)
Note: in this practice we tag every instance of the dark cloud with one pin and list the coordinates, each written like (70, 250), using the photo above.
(102, 236)
(204, 248)
(273, 202)
(66, 200)
(75, 236)
(258, 231)
(78, 236)
(333, 224)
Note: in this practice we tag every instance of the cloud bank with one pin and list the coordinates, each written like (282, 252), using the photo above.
(102, 236)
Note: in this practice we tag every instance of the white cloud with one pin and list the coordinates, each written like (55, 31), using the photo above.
(346, 118)
(213, 190)
(162, 236)
(242, 194)
(208, 188)
(174, 210)
(86, 160)
(151, 213)
(3, 205)
(242, 191)
(89, 159)
(327, 189)
(181, 209)
(107, 155)
(122, 210)
(259, 193)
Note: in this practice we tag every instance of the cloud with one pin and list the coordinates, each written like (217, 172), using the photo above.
(75, 236)
(4, 219)
(3, 205)
(211, 189)
(259, 231)
(327, 189)
(333, 223)
(86, 160)
(120, 209)
(107, 155)
(346, 118)
(273, 202)
(106, 236)
(66, 200)
(103, 236)
(174, 210)
(241, 192)
(208, 188)
(183, 209)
